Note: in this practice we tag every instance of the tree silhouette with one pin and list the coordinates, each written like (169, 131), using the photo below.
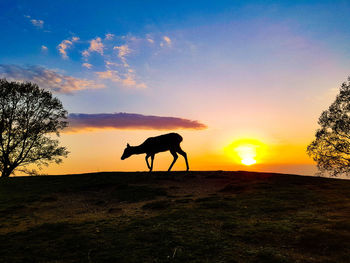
(29, 119)
(331, 147)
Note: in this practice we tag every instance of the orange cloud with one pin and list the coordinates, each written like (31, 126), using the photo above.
(66, 44)
(126, 79)
(47, 78)
(96, 45)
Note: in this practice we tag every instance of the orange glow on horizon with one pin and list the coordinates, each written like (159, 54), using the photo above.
(246, 151)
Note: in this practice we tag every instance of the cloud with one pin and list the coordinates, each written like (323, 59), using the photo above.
(109, 36)
(44, 48)
(110, 64)
(167, 41)
(109, 74)
(66, 44)
(36, 22)
(132, 121)
(46, 78)
(126, 79)
(149, 38)
(87, 65)
(123, 50)
(96, 45)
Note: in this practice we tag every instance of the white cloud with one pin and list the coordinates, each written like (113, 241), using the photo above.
(37, 23)
(44, 48)
(149, 38)
(87, 65)
(66, 44)
(47, 78)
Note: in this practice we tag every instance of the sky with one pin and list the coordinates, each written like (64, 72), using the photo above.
(243, 82)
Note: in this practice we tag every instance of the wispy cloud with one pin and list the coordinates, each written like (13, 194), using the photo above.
(149, 38)
(66, 44)
(47, 78)
(87, 65)
(166, 41)
(123, 50)
(109, 36)
(44, 48)
(121, 73)
(85, 122)
(118, 68)
(126, 79)
(36, 22)
(96, 45)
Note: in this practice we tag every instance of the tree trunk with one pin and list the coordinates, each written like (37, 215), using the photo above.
(6, 172)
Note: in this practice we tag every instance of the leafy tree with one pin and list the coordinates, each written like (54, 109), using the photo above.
(331, 147)
(29, 117)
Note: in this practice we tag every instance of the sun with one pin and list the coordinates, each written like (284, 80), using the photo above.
(248, 161)
(246, 151)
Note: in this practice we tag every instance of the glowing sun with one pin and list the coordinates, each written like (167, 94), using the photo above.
(246, 151)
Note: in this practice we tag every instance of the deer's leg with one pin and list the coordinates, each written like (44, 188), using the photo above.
(180, 151)
(152, 158)
(175, 158)
(147, 156)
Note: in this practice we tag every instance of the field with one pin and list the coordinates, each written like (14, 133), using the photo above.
(174, 217)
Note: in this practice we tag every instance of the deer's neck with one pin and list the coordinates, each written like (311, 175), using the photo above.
(139, 149)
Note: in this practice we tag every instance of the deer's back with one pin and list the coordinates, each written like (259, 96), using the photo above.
(163, 142)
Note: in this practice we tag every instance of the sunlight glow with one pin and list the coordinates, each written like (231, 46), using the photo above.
(246, 151)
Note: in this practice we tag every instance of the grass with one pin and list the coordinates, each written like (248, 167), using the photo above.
(174, 217)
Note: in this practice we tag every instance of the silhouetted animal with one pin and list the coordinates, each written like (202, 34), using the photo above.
(151, 146)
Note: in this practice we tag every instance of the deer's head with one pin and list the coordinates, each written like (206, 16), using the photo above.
(127, 152)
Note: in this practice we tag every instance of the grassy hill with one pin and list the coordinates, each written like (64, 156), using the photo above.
(174, 217)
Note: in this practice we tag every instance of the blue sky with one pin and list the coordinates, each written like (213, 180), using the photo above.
(257, 69)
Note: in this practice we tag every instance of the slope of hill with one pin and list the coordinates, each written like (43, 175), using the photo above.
(174, 217)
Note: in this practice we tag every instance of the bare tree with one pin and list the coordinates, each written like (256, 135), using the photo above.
(30, 117)
(331, 147)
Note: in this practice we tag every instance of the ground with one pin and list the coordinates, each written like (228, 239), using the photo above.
(174, 217)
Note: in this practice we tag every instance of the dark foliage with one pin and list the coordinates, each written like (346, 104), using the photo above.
(29, 118)
(331, 147)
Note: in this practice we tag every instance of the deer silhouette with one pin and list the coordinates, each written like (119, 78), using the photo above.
(151, 146)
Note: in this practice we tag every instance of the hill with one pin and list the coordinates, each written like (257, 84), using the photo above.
(174, 217)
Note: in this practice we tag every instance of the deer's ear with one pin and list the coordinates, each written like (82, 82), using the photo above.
(127, 145)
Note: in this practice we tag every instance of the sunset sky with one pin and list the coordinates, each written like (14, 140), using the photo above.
(243, 82)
